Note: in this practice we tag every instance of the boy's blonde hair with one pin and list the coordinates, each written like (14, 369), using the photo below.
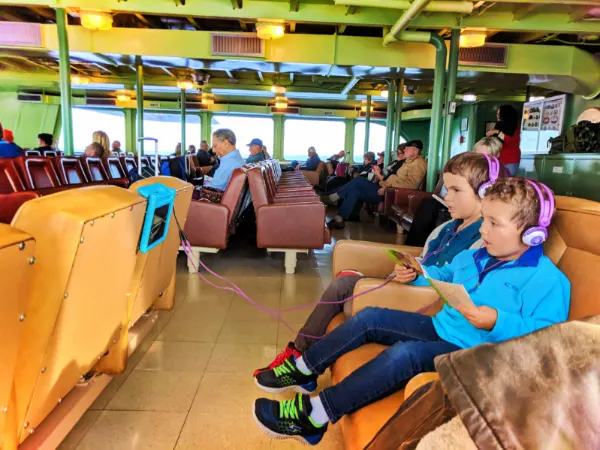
(490, 145)
(471, 166)
(518, 192)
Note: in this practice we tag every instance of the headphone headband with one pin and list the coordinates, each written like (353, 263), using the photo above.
(546, 206)
(493, 173)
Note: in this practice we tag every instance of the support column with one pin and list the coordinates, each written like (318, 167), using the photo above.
(389, 124)
(349, 139)
(139, 93)
(450, 96)
(398, 111)
(435, 129)
(183, 146)
(367, 124)
(278, 131)
(205, 119)
(65, 81)
(130, 136)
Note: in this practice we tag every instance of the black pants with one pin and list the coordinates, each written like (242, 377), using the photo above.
(429, 215)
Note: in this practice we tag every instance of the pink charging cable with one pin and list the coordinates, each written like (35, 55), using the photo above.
(235, 288)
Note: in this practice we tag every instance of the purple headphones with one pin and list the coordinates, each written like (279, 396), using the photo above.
(538, 235)
(494, 172)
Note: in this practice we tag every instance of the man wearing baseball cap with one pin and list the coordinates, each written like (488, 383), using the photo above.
(256, 151)
(409, 176)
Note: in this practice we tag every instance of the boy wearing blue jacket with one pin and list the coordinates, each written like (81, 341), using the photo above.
(515, 290)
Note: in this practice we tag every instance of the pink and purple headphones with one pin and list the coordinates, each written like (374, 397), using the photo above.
(538, 235)
(493, 171)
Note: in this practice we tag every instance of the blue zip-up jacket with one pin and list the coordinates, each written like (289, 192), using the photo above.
(442, 249)
(529, 293)
(255, 158)
(311, 163)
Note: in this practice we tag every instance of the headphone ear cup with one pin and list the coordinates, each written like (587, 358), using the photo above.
(534, 236)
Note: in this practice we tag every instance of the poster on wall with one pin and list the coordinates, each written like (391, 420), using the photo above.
(541, 121)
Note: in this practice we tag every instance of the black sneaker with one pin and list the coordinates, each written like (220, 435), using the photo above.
(288, 419)
(284, 377)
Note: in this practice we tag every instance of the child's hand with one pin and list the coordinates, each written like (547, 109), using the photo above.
(482, 317)
(404, 275)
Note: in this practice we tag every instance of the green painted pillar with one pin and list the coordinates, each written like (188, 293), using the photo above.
(389, 123)
(278, 131)
(398, 112)
(139, 93)
(367, 124)
(130, 130)
(182, 101)
(435, 129)
(205, 119)
(65, 80)
(450, 96)
(349, 139)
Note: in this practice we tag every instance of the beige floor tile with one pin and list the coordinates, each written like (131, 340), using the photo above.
(248, 332)
(297, 316)
(146, 390)
(242, 310)
(80, 430)
(184, 356)
(240, 358)
(225, 393)
(222, 432)
(134, 430)
(284, 335)
(196, 322)
(300, 291)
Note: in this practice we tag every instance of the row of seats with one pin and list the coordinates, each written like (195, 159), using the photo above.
(62, 319)
(572, 245)
(290, 218)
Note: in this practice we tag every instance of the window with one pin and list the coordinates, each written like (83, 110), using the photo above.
(86, 121)
(376, 139)
(327, 136)
(246, 128)
(166, 127)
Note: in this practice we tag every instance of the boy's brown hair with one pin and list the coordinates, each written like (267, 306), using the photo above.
(472, 166)
(520, 193)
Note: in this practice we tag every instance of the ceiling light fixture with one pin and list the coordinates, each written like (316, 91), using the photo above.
(123, 97)
(472, 38)
(185, 84)
(78, 79)
(536, 99)
(278, 89)
(384, 93)
(281, 102)
(96, 20)
(269, 31)
(470, 98)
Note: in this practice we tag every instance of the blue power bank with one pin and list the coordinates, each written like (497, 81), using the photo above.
(158, 215)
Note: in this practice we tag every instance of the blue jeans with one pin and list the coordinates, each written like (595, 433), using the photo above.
(413, 343)
(359, 189)
(512, 168)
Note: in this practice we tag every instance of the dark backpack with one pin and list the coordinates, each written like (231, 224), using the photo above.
(583, 137)
(174, 167)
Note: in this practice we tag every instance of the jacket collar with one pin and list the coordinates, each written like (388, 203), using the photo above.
(530, 258)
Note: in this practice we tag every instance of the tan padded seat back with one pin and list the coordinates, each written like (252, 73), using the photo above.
(17, 252)
(574, 246)
(86, 241)
(155, 273)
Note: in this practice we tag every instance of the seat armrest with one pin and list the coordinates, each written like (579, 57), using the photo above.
(418, 381)
(207, 224)
(404, 297)
(415, 200)
(367, 257)
(292, 225)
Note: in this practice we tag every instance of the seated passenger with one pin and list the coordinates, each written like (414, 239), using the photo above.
(311, 164)
(265, 152)
(223, 143)
(256, 151)
(409, 176)
(8, 148)
(204, 158)
(94, 149)
(175, 167)
(464, 174)
(338, 180)
(45, 141)
(116, 147)
(335, 159)
(383, 173)
(516, 290)
(101, 138)
(191, 149)
(431, 212)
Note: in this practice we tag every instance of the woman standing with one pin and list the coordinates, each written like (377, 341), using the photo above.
(507, 130)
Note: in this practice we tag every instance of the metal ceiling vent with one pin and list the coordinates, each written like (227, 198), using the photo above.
(494, 55)
(21, 34)
(237, 45)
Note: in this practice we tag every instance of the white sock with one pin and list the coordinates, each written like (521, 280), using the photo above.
(338, 218)
(318, 413)
(302, 367)
(334, 197)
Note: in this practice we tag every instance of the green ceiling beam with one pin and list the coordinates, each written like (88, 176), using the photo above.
(553, 17)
